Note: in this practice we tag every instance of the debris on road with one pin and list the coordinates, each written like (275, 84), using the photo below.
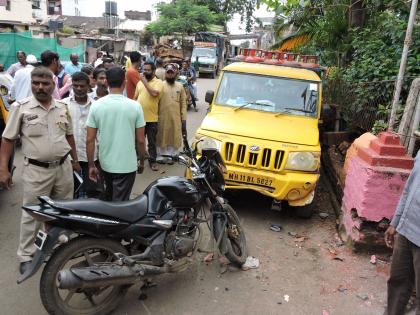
(300, 239)
(363, 297)
(324, 312)
(323, 215)
(275, 228)
(286, 298)
(251, 263)
(293, 234)
(373, 260)
(341, 289)
(338, 258)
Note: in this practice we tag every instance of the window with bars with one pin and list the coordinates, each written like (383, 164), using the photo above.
(36, 4)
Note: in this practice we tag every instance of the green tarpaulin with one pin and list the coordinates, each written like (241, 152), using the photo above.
(10, 43)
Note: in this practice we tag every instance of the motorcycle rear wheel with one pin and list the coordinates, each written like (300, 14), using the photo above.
(84, 252)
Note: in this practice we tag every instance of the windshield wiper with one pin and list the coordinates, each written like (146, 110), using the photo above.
(288, 110)
(252, 103)
(300, 110)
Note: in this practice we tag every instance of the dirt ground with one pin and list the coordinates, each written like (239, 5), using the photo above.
(304, 269)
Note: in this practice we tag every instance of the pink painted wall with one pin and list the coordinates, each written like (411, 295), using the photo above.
(362, 142)
(373, 191)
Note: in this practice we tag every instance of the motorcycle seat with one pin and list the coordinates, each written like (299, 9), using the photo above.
(129, 211)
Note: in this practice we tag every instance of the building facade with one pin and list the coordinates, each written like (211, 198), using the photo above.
(15, 11)
(67, 7)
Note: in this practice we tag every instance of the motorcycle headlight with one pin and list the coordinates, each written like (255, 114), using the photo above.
(207, 143)
(303, 161)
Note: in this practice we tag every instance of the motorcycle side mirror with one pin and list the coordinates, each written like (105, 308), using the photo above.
(209, 97)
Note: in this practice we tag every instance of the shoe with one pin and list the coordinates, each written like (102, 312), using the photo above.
(24, 266)
(154, 167)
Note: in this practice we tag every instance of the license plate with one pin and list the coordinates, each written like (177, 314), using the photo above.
(40, 239)
(250, 179)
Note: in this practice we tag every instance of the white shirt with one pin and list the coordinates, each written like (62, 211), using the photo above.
(21, 88)
(79, 114)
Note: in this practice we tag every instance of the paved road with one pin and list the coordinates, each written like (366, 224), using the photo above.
(301, 267)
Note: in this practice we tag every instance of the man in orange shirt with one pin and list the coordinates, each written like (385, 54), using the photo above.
(132, 75)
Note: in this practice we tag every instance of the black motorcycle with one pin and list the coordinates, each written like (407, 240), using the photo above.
(95, 250)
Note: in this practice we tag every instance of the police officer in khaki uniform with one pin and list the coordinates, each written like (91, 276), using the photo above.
(45, 128)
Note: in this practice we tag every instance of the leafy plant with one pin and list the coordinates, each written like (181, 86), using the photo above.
(181, 17)
(225, 9)
(383, 113)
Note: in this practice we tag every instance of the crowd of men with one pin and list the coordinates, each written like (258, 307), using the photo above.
(83, 128)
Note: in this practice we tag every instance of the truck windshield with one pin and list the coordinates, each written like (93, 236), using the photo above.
(269, 94)
(203, 52)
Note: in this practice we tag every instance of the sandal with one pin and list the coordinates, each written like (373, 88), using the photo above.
(154, 167)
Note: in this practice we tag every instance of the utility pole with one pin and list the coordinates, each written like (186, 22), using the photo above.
(400, 78)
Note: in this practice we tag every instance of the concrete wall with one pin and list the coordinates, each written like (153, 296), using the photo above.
(71, 42)
(70, 7)
(20, 11)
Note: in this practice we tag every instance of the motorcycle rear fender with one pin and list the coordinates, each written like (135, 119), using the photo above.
(40, 255)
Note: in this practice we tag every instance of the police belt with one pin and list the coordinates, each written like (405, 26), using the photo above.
(48, 164)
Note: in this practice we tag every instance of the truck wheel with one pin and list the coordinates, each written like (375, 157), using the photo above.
(305, 212)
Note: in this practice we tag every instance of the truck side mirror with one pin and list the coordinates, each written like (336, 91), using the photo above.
(209, 97)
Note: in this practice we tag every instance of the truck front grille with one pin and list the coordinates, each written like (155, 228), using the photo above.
(240, 154)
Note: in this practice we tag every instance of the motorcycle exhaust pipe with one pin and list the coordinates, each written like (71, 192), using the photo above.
(100, 276)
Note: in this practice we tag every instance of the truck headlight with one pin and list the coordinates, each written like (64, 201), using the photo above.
(303, 161)
(207, 143)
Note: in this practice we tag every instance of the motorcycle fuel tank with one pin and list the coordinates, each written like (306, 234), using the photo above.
(179, 191)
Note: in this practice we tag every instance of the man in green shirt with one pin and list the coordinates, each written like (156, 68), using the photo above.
(120, 124)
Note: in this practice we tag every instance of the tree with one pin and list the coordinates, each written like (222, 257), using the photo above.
(181, 17)
(225, 9)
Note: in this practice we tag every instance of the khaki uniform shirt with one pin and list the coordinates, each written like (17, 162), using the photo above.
(43, 132)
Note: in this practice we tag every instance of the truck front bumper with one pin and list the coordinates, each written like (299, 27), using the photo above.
(206, 69)
(295, 187)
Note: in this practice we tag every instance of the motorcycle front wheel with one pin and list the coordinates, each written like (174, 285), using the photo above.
(81, 252)
(233, 242)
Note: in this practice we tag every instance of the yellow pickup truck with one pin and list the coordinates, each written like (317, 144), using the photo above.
(264, 120)
(4, 114)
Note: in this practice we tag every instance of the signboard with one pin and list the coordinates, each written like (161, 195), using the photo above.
(204, 44)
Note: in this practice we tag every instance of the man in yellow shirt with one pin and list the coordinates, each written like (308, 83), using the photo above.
(148, 93)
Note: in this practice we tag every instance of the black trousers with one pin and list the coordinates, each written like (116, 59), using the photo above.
(89, 188)
(118, 186)
(151, 131)
(404, 276)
